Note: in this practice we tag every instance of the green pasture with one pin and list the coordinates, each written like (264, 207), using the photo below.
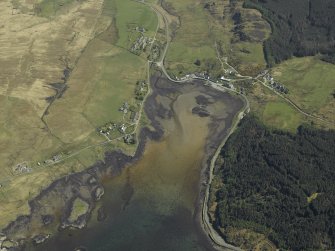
(47, 8)
(282, 116)
(311, 82)
(129, 15)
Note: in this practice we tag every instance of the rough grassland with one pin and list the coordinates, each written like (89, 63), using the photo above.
(281, 115)
(48, 8)
(79, 208)
(130, 15)
(256, 56)
(103, 76)
(208, 34)
(311, 84)
(273, 111)
(34, 53)
(192, 40)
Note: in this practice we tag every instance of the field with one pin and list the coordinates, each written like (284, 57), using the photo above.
(311, 84)
(299, 28)
(49, 8)
(73, 65)
(79, 208)
(208, 32)
(273, 111)
(211, 35)
(42, 51)
(83, 45)
(192, 40)
(103, 87)
(249, 57)
(130, 15)
(281, 115)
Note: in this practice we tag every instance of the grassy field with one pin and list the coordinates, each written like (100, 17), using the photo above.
(253, 54)
(273, 111)
(16, 192)
(106, 78)
(311, 84)
(247, 54)
(131, 15)
(48, 8)
(208, 34)
(94, 41)
(103, 77)
(192, 39)
(79, 208)
(28, 66)
(281, 115)
(249, 57)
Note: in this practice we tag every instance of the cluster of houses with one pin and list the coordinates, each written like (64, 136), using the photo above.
(204, 75)
(141, 89)
(53, 160)
(124, 108)
(228, 85)
(106, 130)
(130, 139)
(109, 127)
(155, 52)
(140, 29)
(140, 44)
(134, 116)
(274, 84)
(22, 168)
(122, 128)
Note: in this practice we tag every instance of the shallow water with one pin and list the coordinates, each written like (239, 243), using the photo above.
(152, 204)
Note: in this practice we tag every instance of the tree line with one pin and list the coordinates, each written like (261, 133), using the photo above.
(299, 28)
(279, 184)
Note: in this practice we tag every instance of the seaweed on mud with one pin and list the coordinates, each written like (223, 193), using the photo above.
(201, 111)
(70, 187)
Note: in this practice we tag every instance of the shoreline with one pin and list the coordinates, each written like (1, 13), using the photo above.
(112, 165)
(217, 240)
(115, 161)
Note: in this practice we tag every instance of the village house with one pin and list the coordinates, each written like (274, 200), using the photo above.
(122, 128)
(134, 116)
(129, 139)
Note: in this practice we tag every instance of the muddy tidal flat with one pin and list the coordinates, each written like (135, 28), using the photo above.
(150, 201)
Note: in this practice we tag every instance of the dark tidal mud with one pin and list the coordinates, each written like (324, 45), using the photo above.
(135, 224)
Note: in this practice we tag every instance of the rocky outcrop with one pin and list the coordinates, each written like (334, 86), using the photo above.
(7, 244)
(98, 193)
(38, 239)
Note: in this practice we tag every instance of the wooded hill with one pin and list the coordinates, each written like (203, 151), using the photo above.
(279, 184)
(299, 28)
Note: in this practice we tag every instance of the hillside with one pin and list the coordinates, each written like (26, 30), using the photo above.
(68, 67)
(299, 28)
(279, 185)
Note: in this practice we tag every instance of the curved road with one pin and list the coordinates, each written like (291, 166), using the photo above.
(218, 241)
(160, 64)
